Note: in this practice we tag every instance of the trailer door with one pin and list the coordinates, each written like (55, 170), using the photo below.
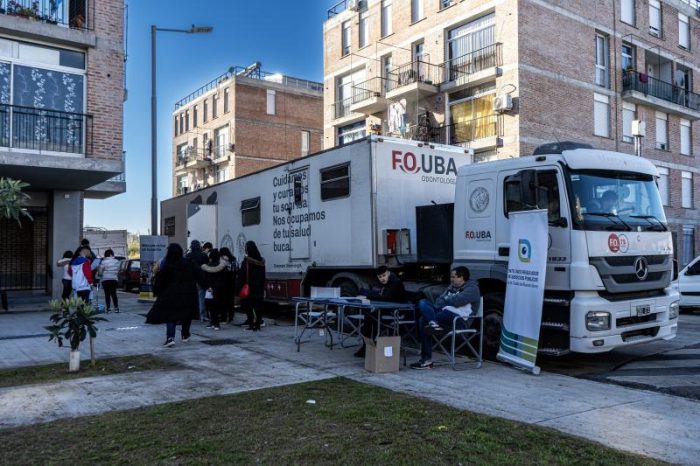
(298, 223)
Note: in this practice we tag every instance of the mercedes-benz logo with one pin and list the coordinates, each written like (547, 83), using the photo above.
(641, 268)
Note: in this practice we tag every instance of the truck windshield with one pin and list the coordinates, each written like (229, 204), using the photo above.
(608, 201)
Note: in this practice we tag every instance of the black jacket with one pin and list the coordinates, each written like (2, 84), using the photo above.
(221, 279)
(198, 257)
(252, 272)
(175, 288)
(393, 291)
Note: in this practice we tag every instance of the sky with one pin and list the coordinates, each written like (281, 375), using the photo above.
(285, 36)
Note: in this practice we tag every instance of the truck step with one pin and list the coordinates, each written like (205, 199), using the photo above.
(556, 325)
(557, 302)
(553, 351)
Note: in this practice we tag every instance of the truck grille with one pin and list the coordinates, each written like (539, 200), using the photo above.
(627, 321)
(618, 273)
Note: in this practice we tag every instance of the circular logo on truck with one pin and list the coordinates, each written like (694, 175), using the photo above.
(613, 242)
(479, 199)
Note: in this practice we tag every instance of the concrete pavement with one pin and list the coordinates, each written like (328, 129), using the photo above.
(663, 426)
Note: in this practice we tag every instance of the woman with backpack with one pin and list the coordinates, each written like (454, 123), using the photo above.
(252, 285)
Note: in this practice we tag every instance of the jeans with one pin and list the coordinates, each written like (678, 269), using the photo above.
(202, 306)
(184, 332)
(67, 289)
(110, 287)
(214, 310)
(428, 311)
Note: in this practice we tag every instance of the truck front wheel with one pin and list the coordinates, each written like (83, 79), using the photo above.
(493, 322)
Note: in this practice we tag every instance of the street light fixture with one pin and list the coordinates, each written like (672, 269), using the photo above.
(154, 120)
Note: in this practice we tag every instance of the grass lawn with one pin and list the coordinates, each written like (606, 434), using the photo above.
(58, 372)
(351, 423)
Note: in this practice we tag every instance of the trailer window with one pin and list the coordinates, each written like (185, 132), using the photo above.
(335, 182)
(250, 212)
(298, 190)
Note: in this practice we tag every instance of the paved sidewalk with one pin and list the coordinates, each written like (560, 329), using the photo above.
(662, 426)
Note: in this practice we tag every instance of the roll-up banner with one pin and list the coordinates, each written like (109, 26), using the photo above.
(527, 265)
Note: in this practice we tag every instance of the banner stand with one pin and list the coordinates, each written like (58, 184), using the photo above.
(153, 249)
(527, 267)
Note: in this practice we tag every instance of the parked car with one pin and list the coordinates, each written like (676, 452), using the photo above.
(689, 284)
(129, 275)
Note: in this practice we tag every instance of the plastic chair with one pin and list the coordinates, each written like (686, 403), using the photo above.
(466, 333)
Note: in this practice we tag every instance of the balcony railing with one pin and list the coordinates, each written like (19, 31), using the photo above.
(641, 82)
(341, 108)
(45, 130)
(374, 87)
(473, 62)
(458, 132)
(418, 71)
(343, 5)
(73, 13)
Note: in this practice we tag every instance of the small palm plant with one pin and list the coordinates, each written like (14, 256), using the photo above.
(73, 320)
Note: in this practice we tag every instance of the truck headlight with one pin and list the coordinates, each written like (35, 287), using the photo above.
(673, 310)
(598, 320)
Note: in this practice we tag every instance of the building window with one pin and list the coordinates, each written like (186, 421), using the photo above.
(214, 106)
(663, 184)
(627, 15)
(206, 146)
(181, 153)
(688, 244)
(628, 62)
(182, 123)
(250, 212)
(226, 103)
(686, 148)
(655, 18)
(182, 184)
(363, 29)
(683, 31)
(469, 47)
(629, 112)
(305, 142)
(416, 10)
(601, 115)
(445, 3)
(205, 112)
(220, 174)
(271, 102)
(177, 131)
(335, 182)
(661, 131)
(387, 67)
(344, 90)
(352, 132)
(346, 38)
(602, 70)
(386, 18)
(194, 147)
(187, 120)
(471, 114)
(195, 120)
(687, 190)
(221, 138)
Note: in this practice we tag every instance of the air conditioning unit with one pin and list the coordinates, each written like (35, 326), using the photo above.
(639, 128)
(353, 5)
(503, 103)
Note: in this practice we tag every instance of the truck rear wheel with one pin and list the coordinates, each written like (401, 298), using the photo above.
(493, 323)
(347, 288)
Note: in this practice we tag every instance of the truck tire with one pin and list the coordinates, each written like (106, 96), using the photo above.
(347, 288)
(493, 322)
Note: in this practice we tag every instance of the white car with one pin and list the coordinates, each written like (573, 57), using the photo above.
(689, 284)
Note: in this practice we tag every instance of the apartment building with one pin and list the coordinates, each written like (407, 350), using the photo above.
(61, 101)
(243, 121)
(504, 76)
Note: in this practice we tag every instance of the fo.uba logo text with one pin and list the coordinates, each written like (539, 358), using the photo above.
(408, 162)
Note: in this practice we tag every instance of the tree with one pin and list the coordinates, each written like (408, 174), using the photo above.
(11, 199)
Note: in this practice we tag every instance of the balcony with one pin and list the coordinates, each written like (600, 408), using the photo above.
(479, 133)
(368, 96)
(473, 68)
(642, 89)
(39, 130)
(341, 113)
(113, 186)
(221, 153)
(73, 14)
(418, 77)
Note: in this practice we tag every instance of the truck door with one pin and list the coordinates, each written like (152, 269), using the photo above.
(551, 196)
(298, 220)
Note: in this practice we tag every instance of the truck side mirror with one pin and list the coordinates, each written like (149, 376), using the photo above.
(528, 188)
(560, 222)
(675, 269)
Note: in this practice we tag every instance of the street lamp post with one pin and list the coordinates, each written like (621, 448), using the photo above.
(154, 119)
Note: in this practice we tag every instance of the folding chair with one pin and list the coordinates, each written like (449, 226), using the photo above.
(309, 317)
(466, 333)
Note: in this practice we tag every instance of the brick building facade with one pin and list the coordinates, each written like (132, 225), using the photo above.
(61, 124)
(504, 76)
(243, 121)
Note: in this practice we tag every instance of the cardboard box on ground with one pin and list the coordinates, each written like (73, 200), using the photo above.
(383, 355)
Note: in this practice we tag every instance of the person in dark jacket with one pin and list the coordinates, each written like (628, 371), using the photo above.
(175, 288)
(252, 273)
(199, 258)
(390, 289)
(230, 261)
(217, 283)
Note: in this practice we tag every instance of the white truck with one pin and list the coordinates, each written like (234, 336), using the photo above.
(331, 218)
(610, 258)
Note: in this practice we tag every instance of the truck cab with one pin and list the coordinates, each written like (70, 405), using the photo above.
(610, 253)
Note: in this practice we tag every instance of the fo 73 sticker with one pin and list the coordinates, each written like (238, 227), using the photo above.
(618, 243)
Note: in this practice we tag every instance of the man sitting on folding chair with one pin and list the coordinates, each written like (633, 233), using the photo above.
(461, 292)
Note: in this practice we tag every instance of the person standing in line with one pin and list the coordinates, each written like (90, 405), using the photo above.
(175, 288)
(109, 267)
(215, 282)
(64, 262)
(199, 258)
(80, 272)
(252, 273)
(230, 299)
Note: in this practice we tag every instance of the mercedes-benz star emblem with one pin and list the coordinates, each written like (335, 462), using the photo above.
(641, 268)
